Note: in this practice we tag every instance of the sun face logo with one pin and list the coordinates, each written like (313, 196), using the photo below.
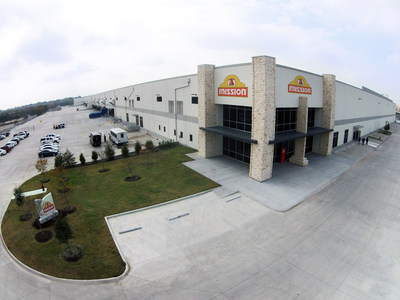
(47, 207)
(300, 86)
(232, 87)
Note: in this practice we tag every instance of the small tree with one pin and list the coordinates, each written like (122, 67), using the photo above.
(19, 197)
(58, 161)
(68, 159)
(63, 231)
(102, 156)
(125, 150)
(138, 147)
(149, 147)
(63, 183)
(41, 166)
(109, 151)
(129, 166)
(95, 156)
(82, 159)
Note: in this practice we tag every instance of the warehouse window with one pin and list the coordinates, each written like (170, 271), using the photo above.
(286, 119)
(141, 122)
(159, 98)
(171, 107)
(335, 139)
(137, 98)
(174, 131)
(159, 127)
(236, 149)
(164, 129)
(237, 117)
(346, 136)
(311, 118)
(181, 135)
(195, 100)
(179, 107)
(191, 138)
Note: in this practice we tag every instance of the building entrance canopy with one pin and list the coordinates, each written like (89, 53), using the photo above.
(293, 135)
(240, 135)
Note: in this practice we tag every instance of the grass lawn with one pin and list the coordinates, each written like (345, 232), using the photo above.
(96, 195)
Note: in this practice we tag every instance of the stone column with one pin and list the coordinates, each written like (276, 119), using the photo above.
(298, 157)
(328, 113)
(263, 118)
(206, 110)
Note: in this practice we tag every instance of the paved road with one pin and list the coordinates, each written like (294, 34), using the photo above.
(340, 243)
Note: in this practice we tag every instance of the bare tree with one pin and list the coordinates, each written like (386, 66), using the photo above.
(41, 166)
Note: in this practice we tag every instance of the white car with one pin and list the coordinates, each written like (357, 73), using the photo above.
(57, 136)
(3, 152)
(49, 139)
(49, 146)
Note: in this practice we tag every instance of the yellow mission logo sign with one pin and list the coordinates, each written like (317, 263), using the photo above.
(300, 86)
(232, 87)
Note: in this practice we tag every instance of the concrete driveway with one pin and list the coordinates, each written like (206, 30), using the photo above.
(340, 243)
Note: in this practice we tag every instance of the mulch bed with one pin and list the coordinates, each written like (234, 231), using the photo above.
(25, 217)
(132, 178)
(74, 253)
(43, 236)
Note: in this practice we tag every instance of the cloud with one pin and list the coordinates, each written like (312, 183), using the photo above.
(67, 48)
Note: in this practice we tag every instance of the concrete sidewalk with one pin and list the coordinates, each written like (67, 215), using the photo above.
(32, 193)
(290, 184)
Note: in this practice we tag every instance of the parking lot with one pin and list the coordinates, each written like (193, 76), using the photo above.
(75, 135)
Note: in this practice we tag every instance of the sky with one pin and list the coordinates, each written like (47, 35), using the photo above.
(56, 49)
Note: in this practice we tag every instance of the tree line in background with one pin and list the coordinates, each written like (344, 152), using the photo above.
(23, 112)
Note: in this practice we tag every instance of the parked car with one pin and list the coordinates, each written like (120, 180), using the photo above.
(59, 126)
(15, 139)
(47, 152)
(23, 133)
(19, 136)
(6, 148)
(48, 139)
(26, 132)
(11, 144)
(3, 152)
(56, 136)
(2, 136)
(49, 146)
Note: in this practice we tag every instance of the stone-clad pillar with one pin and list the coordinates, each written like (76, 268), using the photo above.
(298, 157)
(328, 113)
(263, 117)
(206, 110)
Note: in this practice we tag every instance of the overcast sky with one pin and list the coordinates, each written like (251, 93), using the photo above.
(56, 49)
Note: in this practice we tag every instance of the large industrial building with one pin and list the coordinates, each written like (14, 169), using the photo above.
(259, 113)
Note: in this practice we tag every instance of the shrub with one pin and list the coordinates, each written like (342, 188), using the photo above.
(149, 145)
(19, 197)
(138, 147)
(125, 150)
(109, 151)
(82, 159)
(167, 144)
(95, 156)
